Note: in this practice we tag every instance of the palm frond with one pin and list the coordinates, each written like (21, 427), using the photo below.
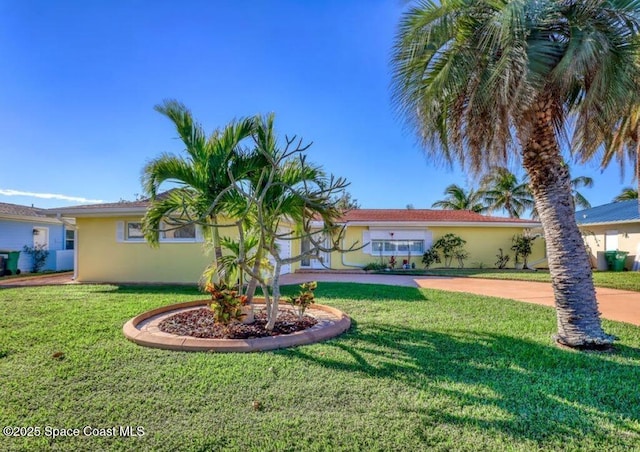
(189, 131)
(177, 204)
(627, 194)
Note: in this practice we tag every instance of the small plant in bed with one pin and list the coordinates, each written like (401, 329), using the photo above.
(304, 299)
(201, 323)
(226, 303)
(223, 318)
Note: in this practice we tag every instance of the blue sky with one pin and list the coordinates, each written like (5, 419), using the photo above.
(78, 82)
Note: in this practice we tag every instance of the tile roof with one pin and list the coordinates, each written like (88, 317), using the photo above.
(140, 204)
(426, 215)
(16, 210)
(615, 212)
(356, 215)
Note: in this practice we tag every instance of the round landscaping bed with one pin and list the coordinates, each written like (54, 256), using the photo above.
(146, 329)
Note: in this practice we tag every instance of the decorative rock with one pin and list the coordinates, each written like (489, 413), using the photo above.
(143, 330)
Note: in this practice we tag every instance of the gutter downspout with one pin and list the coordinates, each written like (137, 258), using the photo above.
(346, 264)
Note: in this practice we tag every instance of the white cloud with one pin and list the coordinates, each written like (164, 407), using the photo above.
(8, 192)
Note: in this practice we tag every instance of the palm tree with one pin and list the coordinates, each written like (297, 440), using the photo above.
(627, 194)
(578, 198)
(202, 174)
(502, 190)
(624, 146)
(459, 199)
(279, 184)
(484, 83)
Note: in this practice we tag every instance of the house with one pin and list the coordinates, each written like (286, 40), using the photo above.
(611, 227)
(405, 234)
(22, 226)
(111, 247)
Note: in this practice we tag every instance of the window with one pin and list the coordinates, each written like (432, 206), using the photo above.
(397, 246)
(69, 239)
(184, 232)
(131, 231)
(134, 231)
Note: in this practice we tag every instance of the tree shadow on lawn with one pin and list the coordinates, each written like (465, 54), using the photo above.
(539, 392)
(325, 291)
(358, 292)
(154, 289)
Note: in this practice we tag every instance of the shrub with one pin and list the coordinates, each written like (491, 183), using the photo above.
(461, 255)
(304, 298)
(226, 304)
(39, 255)
(503, 259)
(374, 266)
(522, 246)
(430, 257)
(451, 246)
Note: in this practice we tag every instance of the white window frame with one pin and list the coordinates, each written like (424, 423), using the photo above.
(164, 226)
(399, 235)
(135, 238)
(67, 239)
(387, 246)
(122, 234)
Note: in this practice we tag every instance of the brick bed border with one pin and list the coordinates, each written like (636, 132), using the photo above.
(143, 330)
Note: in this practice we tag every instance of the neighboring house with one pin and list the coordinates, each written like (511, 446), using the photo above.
(22, 226)
(110, 246)
(611, 227)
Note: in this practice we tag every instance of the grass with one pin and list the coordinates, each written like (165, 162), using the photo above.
(613, 280)
(419, 370)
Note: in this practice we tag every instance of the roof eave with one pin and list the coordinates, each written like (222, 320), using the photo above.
(499, 224)
(605, 223)
(89, 212)
(29, 219)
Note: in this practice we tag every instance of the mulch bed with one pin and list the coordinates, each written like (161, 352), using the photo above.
(199, 323)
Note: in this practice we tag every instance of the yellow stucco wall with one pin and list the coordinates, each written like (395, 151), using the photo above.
(628, 236)
(102, 258)
(482, 245)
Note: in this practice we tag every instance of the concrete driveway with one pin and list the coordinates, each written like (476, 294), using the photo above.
(620, 305)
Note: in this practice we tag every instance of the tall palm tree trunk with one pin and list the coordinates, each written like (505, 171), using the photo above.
(576, 305)
(637, 162)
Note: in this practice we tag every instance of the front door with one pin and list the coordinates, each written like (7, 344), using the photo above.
(611, 241)
(312, 261)
(41, 238)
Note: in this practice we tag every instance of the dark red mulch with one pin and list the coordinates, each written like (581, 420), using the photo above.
(200, 323)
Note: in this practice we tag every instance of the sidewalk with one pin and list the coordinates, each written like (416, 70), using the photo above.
(42, 280)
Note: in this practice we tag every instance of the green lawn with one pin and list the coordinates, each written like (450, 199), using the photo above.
(419, 370)
(614, 280)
